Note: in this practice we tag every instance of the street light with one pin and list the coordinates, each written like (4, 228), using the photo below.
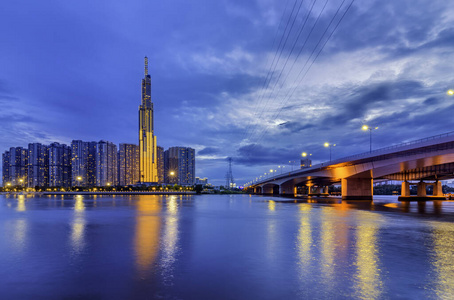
(450, 92)
(328, 145)
(365, 128)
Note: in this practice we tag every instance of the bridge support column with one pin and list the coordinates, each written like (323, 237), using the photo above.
(438, 189)
(326, 190)
(405, 189)
(267, 190)
(422, 189)
(357, 189)
(287, 190)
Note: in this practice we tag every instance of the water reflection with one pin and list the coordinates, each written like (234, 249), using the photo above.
(368, 282)
(443, 243)
(328, 245)
(304, 241)
(78, 226)
(20, 203)
(147, 233)
(170, 240)
(20, 234)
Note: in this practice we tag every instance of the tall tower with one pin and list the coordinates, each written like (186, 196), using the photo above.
(147, 140)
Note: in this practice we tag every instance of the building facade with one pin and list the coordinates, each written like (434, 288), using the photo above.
(59, 165)
(106, 164)
(160, 160)
(179, 166)
(128, 164)
(147, 141)
(18, 162)
(83, 163)
(38, 165)
(6, 165)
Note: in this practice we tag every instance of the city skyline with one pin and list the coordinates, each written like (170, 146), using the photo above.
(210, 82)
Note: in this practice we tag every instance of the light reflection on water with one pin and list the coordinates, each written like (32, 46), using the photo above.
(314, 250)
(368, 277)
(147, 233)
(442, 260)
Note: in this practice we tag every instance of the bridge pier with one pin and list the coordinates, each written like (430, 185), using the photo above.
(421, 192)
(267, 190)
(318, 191)
(357, 189)
(287, 190)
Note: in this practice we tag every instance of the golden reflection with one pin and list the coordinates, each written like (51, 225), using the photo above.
(78, 225)
(443, 243)
(148, 227)
(328, 244)
(304, 241)
(368, 282)
(20, 234)
(170, 239)
(21, 203)
(271, 205)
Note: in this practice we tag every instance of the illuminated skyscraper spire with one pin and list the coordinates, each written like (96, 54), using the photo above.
(146, 66)
(147, 140)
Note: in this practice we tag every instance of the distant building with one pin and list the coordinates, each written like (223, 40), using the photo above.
(83, 163)
(179, 165)
(203, 181)
(128, 164)
(306, 163)
(106, 164)
(38, 165)
(160, 154)
(59, 165)
(6, 166)
(18, 162)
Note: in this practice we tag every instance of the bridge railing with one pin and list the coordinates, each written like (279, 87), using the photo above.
(438, 136)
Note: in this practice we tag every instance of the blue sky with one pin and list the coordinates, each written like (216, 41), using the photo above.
(229, 78)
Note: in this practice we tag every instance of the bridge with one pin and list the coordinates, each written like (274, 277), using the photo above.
(422, 162)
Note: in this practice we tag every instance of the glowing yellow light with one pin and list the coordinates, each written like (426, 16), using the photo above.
(108, 184)
(21, 180)
(365, 127)
(79, 178)
(8, 184)
(172, 173)
(450, 92)
(326, 144)
(304, 154)
(271, 171)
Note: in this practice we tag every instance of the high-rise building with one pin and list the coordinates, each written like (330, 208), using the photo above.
(18, 159)
(83, 163)
(106, 164)
(59, 165)
(306, 163)
(179, 166)
(6, 168)
(160, 159)
(147, 140)
(128, 164)
(38, 165)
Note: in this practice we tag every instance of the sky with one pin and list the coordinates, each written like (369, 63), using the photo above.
(259, 81)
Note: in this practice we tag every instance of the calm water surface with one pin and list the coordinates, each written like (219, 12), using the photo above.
(223, 247)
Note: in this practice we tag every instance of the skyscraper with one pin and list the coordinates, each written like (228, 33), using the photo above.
(106, 164)
(160, 159)
(179, 165)
(38, 165)
(128, 164)
(59, 165)
(6, 166)
(83, 163)
(147, 140)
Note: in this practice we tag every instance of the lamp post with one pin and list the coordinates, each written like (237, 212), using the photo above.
(292, 162)
(328, 145)
(365, 128)
(450, 92)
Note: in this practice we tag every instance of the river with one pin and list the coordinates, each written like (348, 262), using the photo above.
(224, 247)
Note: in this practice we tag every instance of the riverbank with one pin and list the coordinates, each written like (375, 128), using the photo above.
(103, 193)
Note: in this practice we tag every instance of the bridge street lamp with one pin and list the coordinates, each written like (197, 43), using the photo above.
(365, 128)
(450, 92)
(328, 145)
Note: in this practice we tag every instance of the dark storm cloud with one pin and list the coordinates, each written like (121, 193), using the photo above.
(208, 151)
(295, 126)
(362, 99)
(256, 155)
